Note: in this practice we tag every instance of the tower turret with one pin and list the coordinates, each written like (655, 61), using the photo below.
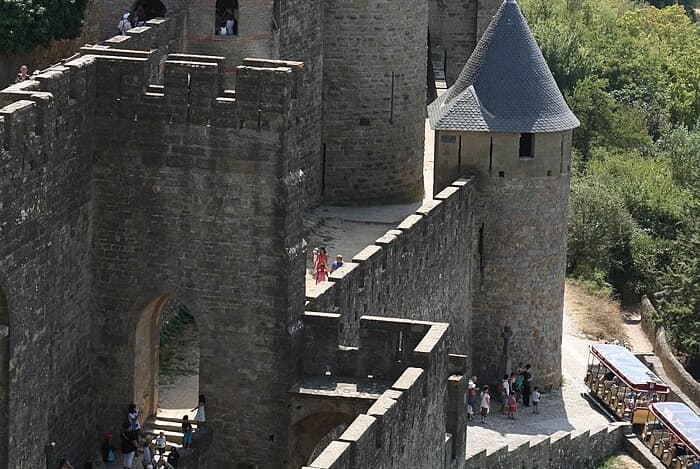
(505, 122)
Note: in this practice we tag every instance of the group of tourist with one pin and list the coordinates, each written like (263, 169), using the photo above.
(320, 261)
(513, 388)
(226, 22)
(142, 12)
(154, 450)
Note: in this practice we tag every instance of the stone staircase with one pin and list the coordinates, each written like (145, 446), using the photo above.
(168, 421)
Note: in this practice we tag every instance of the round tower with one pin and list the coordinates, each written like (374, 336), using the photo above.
(506, 123)
(374, 100)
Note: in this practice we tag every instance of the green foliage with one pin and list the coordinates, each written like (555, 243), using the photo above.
(647, 188)
(680, 307)
(599, 224)
(25, 24)
(630, 72)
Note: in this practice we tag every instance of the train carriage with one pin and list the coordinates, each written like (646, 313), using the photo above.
(623, 383)
(672, 433)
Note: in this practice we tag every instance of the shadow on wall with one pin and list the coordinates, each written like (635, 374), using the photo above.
(313, 433)
(4, 377)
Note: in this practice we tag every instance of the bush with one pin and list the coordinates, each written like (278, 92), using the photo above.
(599, 224)
(25, 24)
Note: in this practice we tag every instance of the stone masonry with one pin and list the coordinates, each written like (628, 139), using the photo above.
(136, 173)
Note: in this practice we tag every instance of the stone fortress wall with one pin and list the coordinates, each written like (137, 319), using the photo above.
(421, 270)
(107, 169)
(138, 176)
(419, 420)
(519, 246)
(45, 166)
(374, 100)
(563, 449)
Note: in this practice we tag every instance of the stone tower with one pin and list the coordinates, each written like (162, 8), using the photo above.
(449, 21)
(374, 100)
(505, 122)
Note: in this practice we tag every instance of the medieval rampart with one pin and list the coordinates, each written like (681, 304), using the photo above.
(421, 270)
(419, 420)
(45, 163)
(563, 449)
(124, 191)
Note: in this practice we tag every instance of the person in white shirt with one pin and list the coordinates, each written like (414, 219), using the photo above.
(505, 384)
(485, 403)
(536, 400)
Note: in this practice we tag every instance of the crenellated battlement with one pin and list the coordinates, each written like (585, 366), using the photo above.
(416, 256)
(118, 83)
(413, 356)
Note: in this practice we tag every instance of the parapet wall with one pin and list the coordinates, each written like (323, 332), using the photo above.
(419, 421)
(421, 271)
(45, 166)
(563, 449)
(119, 191)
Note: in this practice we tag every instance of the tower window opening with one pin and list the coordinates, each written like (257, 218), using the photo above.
(526, 146)
(226, 18)
(145, 10)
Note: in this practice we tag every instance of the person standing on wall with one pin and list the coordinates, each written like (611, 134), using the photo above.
(23, 74)
(200, 417)
(527, 383)
(124, 25)
(337, 264)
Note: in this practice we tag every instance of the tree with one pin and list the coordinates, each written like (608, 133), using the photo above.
(25, 24)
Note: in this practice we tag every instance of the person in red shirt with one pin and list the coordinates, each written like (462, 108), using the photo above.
(321, 258)
(321, 273)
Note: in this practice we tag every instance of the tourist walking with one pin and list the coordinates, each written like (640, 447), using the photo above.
(536, 400)
(527, 381)
(108, 452)
(186, 431)
(321, 273)
(129, 445)
(505, 389)
(485, 403)
(512, 406)
(200, 417)
(321, 258)
(471, 398)
(124, 25)
(161, 443)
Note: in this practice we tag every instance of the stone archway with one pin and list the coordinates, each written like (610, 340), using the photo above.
(4, 379)
(311, 432)
(147, 354)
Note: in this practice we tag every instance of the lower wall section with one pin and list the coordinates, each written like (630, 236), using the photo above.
(421, 270)
(560, 450)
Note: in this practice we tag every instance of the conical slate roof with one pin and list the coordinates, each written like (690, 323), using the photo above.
(506, 85)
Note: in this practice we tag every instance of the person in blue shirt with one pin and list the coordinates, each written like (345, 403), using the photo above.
(337, 264)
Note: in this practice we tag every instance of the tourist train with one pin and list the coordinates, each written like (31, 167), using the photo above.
(632, 392)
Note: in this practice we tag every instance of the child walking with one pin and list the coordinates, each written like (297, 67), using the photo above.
(485, 403)
(536, 400)
(512, 406)
(186, 431)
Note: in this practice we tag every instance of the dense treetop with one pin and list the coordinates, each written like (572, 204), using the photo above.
(25, 24)
(630, 73)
